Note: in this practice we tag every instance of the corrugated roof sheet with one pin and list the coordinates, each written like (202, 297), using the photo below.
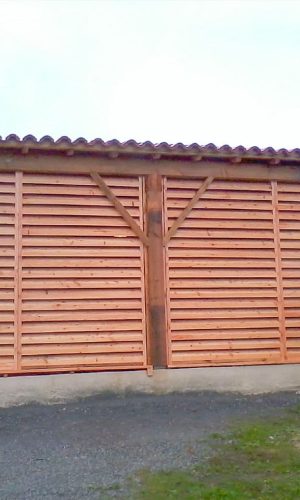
(147, 148)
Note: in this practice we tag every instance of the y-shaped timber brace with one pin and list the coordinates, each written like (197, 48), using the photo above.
(120, 208)
(177, 223)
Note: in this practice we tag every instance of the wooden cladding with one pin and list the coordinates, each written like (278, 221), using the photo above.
(289, 228)
(233, 278)
(101, 272)
(72, 274)
(8, 264)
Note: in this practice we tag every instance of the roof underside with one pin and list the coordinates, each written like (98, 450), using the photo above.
(131, 148)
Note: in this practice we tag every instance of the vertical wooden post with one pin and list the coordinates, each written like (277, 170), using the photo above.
(157, 342)
(18, 270)
(280, 297)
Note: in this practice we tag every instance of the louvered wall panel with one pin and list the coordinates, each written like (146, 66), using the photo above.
(220, 267)
(289, 227)
(7, 271)
(82, 274)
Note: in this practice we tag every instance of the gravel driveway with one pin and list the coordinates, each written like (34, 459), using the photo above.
(69, 450)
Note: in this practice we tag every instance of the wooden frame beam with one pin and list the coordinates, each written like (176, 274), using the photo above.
(278, 266)
(18, 269)
(80, 164)
(120, 208)
(185, 212)
(156, 288)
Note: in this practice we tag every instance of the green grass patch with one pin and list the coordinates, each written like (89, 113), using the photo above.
(255, 461)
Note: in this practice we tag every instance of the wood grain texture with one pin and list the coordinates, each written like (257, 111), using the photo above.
(222, 275)
(122, 167)
(157, 349)
(288, 235)
(9, 201)
(70, 301)
(278, 263)
(186, 211)
(119, 207)
(87, 284)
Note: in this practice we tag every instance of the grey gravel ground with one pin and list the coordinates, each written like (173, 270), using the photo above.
(69, 450)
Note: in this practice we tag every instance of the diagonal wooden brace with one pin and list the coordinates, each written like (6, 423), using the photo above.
(187, 209)
(119, 207)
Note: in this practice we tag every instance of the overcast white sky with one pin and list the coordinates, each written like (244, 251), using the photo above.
(165, 70)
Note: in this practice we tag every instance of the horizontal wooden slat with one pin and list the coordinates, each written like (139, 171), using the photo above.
(222, 273)
(222, 293)
(74, 338)
(222, 214)
(126, 262)
(75, 180)
(219, 195)
(289, 187)
(216, 253)
(7, 230)
(223, 233)
(252, 357)
(42, 284)
(220, 303)
(83, 348)
(291, 273)
(223, 283)
(190, 313)
(45, 220)
(81, 252)
(6, 305)
(81, 315)
(89, 191)
(56, 361)
(222, 263)
(7, 177)
(79, 326)
(225, 224)
(110, 290)
(231, 334)
(81, 305)
(6, 188)
(6, 328)
(234, 322)
(6, 283)
(7, 241)
(290, 254)
(223, 242)
(65, 200)
(6, 340)
(112, 232)
(7, 219)
(74, 211)
(6, 209)
(218, 184)
(219, 204)
(81, 273)
(225, 345)
(5, 351)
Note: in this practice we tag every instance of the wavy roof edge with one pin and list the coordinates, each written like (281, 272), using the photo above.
(132, 147)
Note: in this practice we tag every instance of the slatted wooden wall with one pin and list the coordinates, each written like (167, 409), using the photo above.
(81, 278)
(73, 280)
(221, 273)
(7, 274)
(289, 228)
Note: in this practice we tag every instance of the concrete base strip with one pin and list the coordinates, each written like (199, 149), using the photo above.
(58, 388)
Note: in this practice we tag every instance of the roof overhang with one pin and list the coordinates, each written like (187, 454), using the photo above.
(148, 150)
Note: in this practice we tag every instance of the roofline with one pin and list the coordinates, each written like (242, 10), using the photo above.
(131, 148)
